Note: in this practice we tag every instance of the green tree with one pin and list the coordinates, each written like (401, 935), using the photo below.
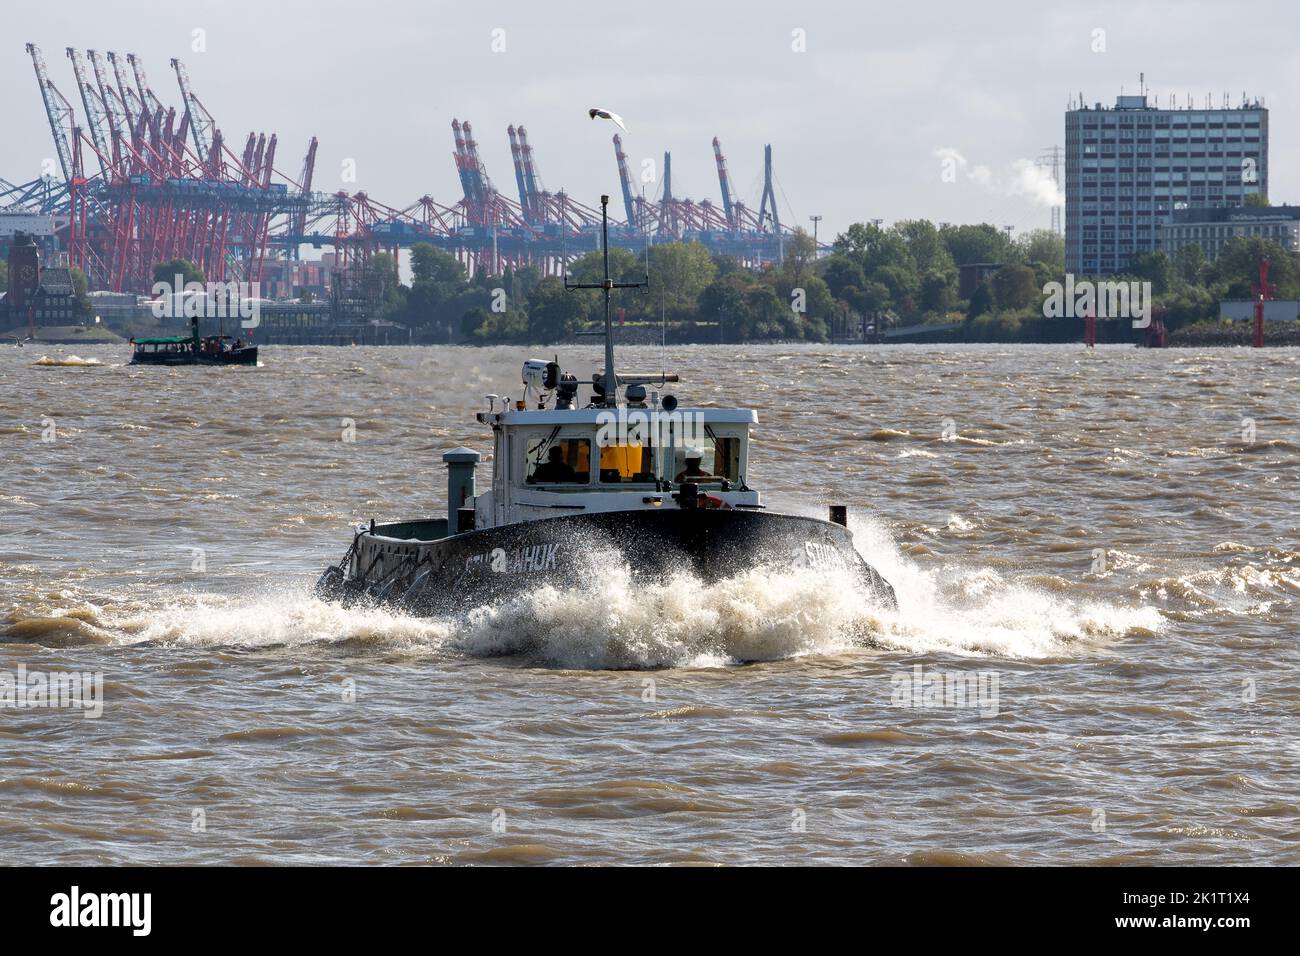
(1014, 287)
(1237, 268)
(818, 301)
(981, 301)
(926, 246)
(726, 265)
(799, 252)
(4, 276)
(474, 322)
(874, 248)
(723, 303)
(553, 313)
(886, 259)
(422, 305)
(841, 272)
(1045, 246)
(815, 296)
(981, 243)
(1257, 200)
(1189, 263)
(439, 293)
(482, 279)
(874, 297)
(1189, 304)
(935, 286)
(937, 293)
(903, 283)
(80, 291)
(481, 327)
(624, 266)
(770, 318)
(431, 265)
(524, 281)
(819, 305)
(1156, 268)
(679, 272)
(166, 272)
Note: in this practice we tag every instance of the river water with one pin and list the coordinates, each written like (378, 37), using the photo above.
(1100, 546)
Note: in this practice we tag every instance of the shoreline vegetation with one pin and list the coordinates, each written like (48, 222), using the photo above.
(906, 280)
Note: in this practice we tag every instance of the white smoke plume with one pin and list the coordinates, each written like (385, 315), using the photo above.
(1023, 178)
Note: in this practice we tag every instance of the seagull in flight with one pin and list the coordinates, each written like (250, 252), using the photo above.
(606, 114)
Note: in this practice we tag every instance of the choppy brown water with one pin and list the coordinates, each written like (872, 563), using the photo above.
(601, 726)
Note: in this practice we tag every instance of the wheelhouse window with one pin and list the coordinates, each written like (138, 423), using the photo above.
(555, 460)
(726, 457)
(626, 463)
(719, 459)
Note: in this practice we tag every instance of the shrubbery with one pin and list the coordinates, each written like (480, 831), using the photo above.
(903, 275)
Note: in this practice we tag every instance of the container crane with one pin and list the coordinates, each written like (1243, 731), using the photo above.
(142, 84)
(517, 155)
(57, 110)
(115, 112)
(625, 181)
(132, 108)
(724, 180)
(304, 190)
(537, 194)
(95, 117)
(202, 125)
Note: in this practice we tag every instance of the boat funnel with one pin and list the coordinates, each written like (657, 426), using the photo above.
(461, 463)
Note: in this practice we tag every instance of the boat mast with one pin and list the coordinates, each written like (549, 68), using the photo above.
(611, 380)
(608, 285)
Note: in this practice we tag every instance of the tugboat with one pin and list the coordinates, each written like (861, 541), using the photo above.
(193, 349)
(630, 477)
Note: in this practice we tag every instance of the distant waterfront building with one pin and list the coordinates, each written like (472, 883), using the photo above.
(1128, 168)
(38, 295)
(972, 275)
(120, 311)
(1211, 228)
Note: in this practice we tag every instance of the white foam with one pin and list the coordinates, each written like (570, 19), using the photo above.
(974, 610)
(618, 623)
(609, 620)
(68, 361)
(272, 618)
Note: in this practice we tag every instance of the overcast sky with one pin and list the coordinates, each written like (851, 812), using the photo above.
(859, 121)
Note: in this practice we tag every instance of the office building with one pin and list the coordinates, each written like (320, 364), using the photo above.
(1129, 167)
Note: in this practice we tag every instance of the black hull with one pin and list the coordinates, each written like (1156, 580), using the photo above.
(244, 356)
(391, 564)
